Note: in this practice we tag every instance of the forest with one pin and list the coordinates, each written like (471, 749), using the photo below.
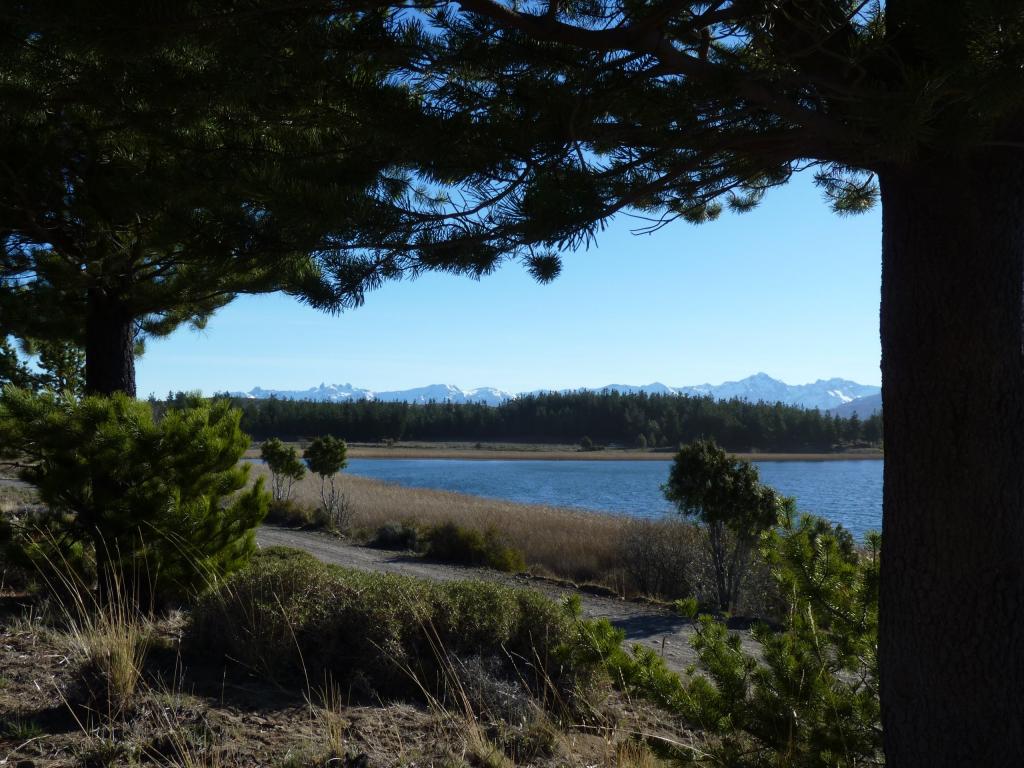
(607, 418)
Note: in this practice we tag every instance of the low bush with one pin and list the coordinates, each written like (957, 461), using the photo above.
(289, 513)
(451, 543)
(290, 616)
(396, 536)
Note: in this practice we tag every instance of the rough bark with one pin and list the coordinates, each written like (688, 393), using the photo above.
(952, 594)
(109, 368)
(109, 348)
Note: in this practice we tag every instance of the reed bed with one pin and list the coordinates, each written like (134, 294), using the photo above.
(582, 546)
(13, 497)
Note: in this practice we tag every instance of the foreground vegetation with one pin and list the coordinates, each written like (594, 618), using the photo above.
(290, 662)
(139, 618)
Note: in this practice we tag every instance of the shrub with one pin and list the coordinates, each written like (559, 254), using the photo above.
(254, 615)
(451, 543)
(660, 557)
(396, 536)
(291, 616)
(290, 513)
(157, 501)
(285, 555)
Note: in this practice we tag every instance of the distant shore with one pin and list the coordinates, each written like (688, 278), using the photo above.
(534, 452)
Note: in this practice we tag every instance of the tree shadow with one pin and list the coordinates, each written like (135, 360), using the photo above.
(641, 627)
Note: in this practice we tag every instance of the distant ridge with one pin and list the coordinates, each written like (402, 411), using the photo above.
(824, 394)
(863, 407)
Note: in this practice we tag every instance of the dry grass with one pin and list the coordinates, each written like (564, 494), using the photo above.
(109, 638)
(112, 651)
(582, 546)
(13, 497)
(329, 721)
(208, 718)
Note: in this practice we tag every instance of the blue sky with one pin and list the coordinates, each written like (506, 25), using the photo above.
(789, 289)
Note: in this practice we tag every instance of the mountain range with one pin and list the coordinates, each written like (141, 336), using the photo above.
(862, 407)
(839, 395)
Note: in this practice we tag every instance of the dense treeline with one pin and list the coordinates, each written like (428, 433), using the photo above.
(606, 418)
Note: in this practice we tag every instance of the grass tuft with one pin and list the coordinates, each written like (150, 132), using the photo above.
(18, 728)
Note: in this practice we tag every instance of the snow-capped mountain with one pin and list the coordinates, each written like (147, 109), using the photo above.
(823, 393)
(862, 406)
(340, 393)
(826, 394)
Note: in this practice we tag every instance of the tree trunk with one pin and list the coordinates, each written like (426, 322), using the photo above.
(109, 368)
(109, 348)
(951, 637)
(716, 545)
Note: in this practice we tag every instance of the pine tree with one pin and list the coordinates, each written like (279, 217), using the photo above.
(159, 159)
(810, 699)
(162, 504)
(13, 369)
(59, 366)
(683, 110)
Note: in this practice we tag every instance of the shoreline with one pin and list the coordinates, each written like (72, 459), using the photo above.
(564, 453)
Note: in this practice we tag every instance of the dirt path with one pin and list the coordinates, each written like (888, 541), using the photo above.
(643, 623)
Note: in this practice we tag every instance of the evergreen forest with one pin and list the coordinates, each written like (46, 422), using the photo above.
(607, 418)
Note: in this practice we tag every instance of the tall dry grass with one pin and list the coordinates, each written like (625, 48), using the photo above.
(583, 546)
(109, 636)
(13, 497)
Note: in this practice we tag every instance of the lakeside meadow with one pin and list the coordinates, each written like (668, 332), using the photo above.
(567, 543)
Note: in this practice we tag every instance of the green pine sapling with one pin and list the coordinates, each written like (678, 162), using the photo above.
(808, 698)
(162, 504)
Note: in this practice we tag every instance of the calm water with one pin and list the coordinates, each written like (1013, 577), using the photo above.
(847, 492)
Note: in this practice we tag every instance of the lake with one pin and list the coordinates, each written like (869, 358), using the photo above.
(847, 492)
